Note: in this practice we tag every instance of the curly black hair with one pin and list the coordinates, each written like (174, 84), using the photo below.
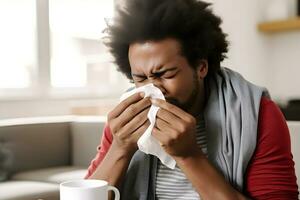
(191, 22)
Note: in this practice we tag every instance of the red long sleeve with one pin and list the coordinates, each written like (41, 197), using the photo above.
(102, 150)
(271, 173)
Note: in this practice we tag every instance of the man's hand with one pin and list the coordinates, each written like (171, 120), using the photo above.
(175, 130)
(128, 121)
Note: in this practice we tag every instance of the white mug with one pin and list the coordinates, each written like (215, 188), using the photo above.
(89, 189)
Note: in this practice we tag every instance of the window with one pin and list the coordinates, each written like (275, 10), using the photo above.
(17, 39)
(77, 46)
(76, 31)
(55, 49)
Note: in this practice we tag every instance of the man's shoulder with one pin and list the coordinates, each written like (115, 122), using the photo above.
(269, 107)
(272, 125)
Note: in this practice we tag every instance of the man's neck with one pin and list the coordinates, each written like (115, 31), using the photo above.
(197, 109)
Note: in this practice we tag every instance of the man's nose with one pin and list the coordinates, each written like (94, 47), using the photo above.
(157, 83)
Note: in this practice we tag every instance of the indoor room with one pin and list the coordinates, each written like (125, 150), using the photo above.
(62, 77)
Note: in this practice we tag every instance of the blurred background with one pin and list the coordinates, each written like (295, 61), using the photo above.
(53, 61)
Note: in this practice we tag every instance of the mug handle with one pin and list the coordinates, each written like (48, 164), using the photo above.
(115, 190)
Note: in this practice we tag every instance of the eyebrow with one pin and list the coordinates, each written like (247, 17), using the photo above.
(155, 73)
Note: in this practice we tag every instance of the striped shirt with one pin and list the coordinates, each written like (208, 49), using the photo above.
(173, 184)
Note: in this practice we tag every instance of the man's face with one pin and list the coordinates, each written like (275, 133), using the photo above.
(161, 63)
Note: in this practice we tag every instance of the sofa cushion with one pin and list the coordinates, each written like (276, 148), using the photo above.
(52, 175)
(34, 146)
(86, 134)
(28, 190)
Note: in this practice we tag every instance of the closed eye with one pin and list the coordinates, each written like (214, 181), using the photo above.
(138, 78)
(169, 75)
(166, 74)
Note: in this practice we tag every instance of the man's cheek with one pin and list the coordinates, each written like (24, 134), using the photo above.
(174, 102)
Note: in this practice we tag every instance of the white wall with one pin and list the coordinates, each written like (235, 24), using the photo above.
(247, 46)
(284, 59)
(270, 60)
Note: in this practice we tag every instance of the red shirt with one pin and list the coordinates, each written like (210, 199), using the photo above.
(270, 174)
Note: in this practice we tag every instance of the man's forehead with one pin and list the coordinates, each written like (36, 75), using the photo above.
(151, 56)
(155, 52)
(147, 45)
(168, 45)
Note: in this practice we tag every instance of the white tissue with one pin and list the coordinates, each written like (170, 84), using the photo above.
(147, 143)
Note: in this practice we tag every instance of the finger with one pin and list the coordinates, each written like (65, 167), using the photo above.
(134, 124)
(132, 111)
(163, 126)
(171, 108)
(141, 130)
(160, 136)
(168, 117)
(124, 104)
(169, 131)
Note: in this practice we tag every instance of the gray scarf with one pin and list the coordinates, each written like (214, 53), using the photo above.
(231, 118)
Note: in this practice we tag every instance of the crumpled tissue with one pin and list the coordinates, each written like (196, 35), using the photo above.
(147, 143)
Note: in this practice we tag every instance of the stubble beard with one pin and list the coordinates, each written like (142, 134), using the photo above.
(192, 99)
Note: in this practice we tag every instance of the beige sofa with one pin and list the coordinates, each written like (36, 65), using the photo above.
(37, 154)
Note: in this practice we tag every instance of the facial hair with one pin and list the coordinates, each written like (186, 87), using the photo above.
(188, 104)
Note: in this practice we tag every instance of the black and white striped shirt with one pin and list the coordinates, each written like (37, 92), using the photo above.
(173, 184)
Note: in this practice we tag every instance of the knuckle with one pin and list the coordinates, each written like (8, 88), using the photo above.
(112, 126)
(182, 128)
(116, 135)
(169, 106)
(113, 130)
(139, 118)
(191, 121)
(170, 142)
(109, 116)
(147, 100)
(161, 112)
(120, 135)
(176, 135)
(132, 109)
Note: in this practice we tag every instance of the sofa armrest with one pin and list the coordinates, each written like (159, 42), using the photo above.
(86, 133)
(294, 128)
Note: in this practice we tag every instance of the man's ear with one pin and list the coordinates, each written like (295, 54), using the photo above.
(202, 69)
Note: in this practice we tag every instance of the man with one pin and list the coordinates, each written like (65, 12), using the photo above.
(229, 140)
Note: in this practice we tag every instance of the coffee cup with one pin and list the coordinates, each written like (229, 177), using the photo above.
(86, 189)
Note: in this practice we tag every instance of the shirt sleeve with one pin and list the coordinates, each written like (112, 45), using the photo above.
(102, 149)
(271, 173)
